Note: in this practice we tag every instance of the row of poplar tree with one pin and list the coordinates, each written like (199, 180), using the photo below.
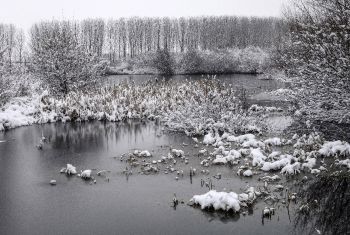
(129, 37)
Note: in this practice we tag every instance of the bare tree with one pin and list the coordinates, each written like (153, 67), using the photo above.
(60, 59)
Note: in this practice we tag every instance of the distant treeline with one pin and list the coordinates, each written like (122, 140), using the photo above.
(128, 37)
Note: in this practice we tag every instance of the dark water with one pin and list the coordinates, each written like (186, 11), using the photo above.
(140, 204)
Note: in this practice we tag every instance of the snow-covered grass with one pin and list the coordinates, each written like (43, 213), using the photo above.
(193, 107)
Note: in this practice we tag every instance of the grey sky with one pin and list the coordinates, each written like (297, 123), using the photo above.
(23, 13)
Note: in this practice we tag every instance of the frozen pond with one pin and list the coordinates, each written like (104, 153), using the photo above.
(138, 204)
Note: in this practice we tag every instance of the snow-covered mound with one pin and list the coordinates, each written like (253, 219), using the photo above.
(86, 174)
(177, 152)
(69, 170)
(231, 156)
(218, 200)
(20, 112)
(257, 156)
(336, 147)
(291, 169)
(276, 165)
(225, 201)
(142, 153)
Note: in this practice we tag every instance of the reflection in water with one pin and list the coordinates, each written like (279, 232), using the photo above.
(87, 136)
(30, 205)
(222, 216)
(326, 204)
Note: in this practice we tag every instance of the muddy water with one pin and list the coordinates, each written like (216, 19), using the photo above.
(139, 204)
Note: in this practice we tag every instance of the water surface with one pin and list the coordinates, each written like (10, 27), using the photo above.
(139, 204)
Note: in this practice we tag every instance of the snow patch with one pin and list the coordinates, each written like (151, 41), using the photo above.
(217, 200)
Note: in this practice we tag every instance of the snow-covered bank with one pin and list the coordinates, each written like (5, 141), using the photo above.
(193, 107)
(250, 60)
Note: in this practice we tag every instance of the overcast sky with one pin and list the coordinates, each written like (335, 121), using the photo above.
(23, 13)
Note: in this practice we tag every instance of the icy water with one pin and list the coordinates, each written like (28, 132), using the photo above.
(138, 204)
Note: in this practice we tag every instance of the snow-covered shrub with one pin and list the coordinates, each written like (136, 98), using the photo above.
(191, 62)
(163, 62)
(5, 92)
(316, 55)
(102, 67)
(327, 200)
(62, 62)
(16, 85)
(219, 61)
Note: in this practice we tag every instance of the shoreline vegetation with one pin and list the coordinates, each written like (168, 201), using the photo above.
(192, 107)
(250, 60)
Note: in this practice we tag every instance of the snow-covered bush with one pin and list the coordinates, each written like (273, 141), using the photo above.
(327, 201)
(234, 60)
(62, 62)
(163, 62)
(316, 54)
(16, 85)
(4, 90)
(191, 62)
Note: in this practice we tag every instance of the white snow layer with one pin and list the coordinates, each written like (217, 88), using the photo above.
(277, 165)
(257, 156)
(86, 174)
(218, 200)
(70, 170)
(329, 149)
(231, 156)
